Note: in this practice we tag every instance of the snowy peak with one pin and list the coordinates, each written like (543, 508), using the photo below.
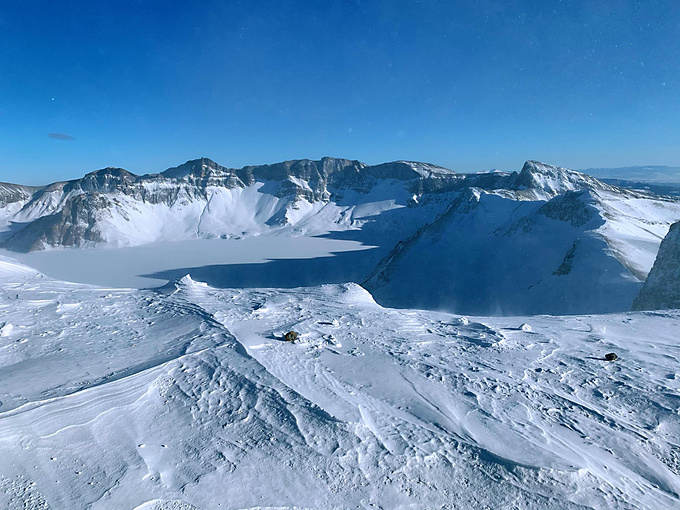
(309, 170)
(200, 168)
(499, 251)
(554, 180)
(203, 172)
(406, 170)
(201, 198)
(106, 179)
(111, 173)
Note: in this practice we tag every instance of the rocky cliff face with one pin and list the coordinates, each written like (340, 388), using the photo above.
(74, 225)
(206, 198)
(555, 180)
(662, 287)
(15, 193)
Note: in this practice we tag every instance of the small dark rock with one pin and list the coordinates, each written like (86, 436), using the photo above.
(291, 336)
(611, 356)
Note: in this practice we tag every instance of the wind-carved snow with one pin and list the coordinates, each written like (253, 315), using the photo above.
(188, 397)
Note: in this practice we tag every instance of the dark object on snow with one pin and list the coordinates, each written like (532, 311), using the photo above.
(291, 336)
(611, 357)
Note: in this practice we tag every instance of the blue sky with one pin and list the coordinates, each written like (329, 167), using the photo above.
(468, 85)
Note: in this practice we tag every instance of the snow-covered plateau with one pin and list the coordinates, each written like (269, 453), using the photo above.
(431, 382)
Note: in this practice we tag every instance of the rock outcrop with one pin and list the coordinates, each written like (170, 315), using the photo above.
(662, 287)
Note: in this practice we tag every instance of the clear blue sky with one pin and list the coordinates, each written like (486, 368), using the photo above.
(469, 85)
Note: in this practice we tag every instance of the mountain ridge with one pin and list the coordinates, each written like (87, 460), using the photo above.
(290, 184)
(545, 239)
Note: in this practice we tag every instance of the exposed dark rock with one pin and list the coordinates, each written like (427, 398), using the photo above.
(661, 290)
(571, 207)
(568, 262)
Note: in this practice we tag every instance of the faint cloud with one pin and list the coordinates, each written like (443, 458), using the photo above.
(60, 136)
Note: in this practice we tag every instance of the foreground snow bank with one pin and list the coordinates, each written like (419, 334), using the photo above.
(186, 397)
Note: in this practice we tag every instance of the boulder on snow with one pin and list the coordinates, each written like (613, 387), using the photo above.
(611, 356)
(291, 336)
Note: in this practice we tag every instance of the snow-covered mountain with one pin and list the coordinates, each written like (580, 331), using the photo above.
(186, 397)
(662, 287)
(577, 246)
(12, 198)
(542, 240)
(203, 199)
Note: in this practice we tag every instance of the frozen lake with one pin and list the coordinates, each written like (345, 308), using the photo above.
(263, 261)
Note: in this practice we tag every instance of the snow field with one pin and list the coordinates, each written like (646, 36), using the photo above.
(187, 397)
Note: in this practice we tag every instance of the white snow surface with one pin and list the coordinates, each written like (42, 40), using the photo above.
(135, 266)
(187, 397)
(580, 252)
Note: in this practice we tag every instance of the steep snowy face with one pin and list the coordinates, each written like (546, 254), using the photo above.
(553, 180)
(15, 193)
(12, 198)
(662, 287)
(80, 222)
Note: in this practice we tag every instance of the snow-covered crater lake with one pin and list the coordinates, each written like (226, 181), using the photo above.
(261, 261)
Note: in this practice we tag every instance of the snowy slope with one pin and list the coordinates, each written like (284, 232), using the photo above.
(584, 248)
(12, 198)
(186, 397)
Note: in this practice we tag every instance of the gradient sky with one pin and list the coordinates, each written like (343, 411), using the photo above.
(468, 85)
